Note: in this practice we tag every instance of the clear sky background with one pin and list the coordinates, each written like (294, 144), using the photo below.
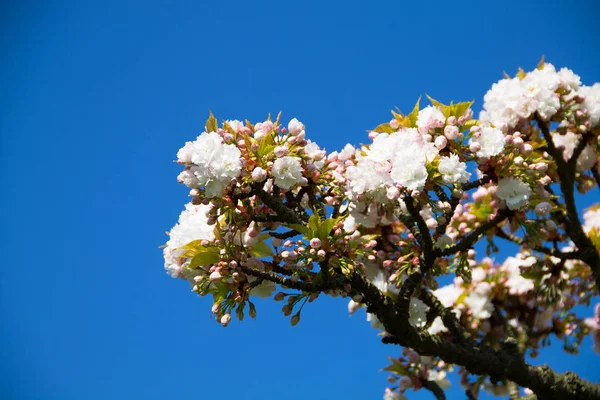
(96, 99)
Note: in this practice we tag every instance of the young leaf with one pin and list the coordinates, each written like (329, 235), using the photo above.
(326, 227)
(211, 123)
(261, 249)
(313, 223)
(211, 256)
(300, 228)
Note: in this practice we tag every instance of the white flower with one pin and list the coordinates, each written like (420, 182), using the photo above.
(375, 323)
(389, 394)
(592, 102)
(452, 170)
(347, 152)
(430, 118)
(448, 295)
(491, 142)
(568, 142)
(514, 192)
(417, 312)
(591, 219)
(184, 155)
(370, 177)
(442, 242)
(295, 127)
(236, 126)
(480, 305)
(264, 290)
(214, 164)
(410, 173)
(192, 226)
(540, 86)
(381, 282)
(287, 172)
(505, 105)
(313, 151)
(440, 378)
(569, 79)
(516, 283)
(511, 100)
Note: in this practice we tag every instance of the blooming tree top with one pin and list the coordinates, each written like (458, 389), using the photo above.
(274, 215)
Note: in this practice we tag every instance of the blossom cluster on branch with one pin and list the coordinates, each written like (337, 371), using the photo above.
(273, 215)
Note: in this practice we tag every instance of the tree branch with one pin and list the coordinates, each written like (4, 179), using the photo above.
(434, 388)
(477, 358)
(566, 173)
(469, 240)
(567, 255)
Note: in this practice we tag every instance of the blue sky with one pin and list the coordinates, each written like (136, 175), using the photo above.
(97, 97)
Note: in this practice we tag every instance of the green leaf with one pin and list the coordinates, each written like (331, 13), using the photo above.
(414, 114)
(266, 145)
(211, 123)
(313, 223)
(210, 256)
(436, 103)
(366, 238)
(541, 63)
(326, 227)
(261, 249)
(300, 228)
(482, 210)
(458, 109)
(384, 128)
(397, 368)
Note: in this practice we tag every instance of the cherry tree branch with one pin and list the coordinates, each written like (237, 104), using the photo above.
(469, 240)
(567, 255)
(434, 388)
(566, 173)
(477, 358)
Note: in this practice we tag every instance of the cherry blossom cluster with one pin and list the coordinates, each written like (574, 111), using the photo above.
(273, 215)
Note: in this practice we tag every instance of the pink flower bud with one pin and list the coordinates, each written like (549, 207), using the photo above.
(280, 151)
(474, 147)
(225, 319)
(451, 120)
(295, 127)
(393, 193)
(315, 243)
(542, 209)
(551, 225)
(215, 276)
(353, 306)
(259, 174)
(413, 357)
(295, 319)
(441, 142)
(450, 131)
(279, 296)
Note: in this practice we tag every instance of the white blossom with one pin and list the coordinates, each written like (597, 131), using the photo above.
(430, 117)
(192, 225)
(514, 192)
(592, 102)
(491, 142)
(453, 170)
(516, 283)
(287, 172)
(568, 142)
